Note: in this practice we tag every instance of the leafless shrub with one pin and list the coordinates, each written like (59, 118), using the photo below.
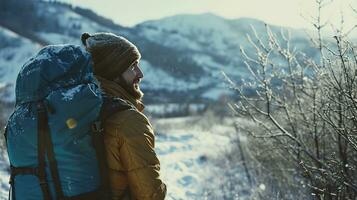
(305, 112)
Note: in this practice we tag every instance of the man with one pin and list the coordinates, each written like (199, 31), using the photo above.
(129, 137)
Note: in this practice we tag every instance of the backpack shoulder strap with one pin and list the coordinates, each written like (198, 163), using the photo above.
(110, 106)
(45, 147)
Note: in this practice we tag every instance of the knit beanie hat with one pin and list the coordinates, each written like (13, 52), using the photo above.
(111, 54)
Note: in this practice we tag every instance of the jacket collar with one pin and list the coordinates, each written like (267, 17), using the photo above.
(113, 89)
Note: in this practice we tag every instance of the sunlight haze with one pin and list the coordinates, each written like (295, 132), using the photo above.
(292, 13)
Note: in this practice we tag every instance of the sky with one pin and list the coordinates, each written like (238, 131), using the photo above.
(292, 13)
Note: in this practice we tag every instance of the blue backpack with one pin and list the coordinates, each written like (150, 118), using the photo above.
(53, 136)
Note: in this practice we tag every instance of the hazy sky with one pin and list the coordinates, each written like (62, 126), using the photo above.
(278, 12)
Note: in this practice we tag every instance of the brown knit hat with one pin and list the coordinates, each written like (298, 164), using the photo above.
(111, 54)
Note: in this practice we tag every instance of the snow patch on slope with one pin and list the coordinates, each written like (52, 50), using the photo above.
(158, 79)
(58, 38)
(13, 57)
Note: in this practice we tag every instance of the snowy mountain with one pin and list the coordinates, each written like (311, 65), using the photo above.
(183, 55)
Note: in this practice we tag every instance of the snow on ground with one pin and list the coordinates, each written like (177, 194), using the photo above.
(187, 148)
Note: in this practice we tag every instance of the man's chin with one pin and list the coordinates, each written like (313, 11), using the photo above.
(133, 89)
(136, 92)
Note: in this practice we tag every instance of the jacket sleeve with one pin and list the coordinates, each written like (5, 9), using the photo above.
(138, 157)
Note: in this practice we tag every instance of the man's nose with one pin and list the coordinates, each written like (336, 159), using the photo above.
(139, 73)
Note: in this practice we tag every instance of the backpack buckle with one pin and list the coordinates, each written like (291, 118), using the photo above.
(97, 127)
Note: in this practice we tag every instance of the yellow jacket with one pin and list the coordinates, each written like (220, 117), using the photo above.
(130, 141)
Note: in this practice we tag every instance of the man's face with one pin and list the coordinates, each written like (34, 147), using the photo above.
(130, 80)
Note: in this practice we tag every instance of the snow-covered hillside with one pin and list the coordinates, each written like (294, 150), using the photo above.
(13, 53)
(71, 23)
(213, 43)
(188, 32)
(210, 44)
